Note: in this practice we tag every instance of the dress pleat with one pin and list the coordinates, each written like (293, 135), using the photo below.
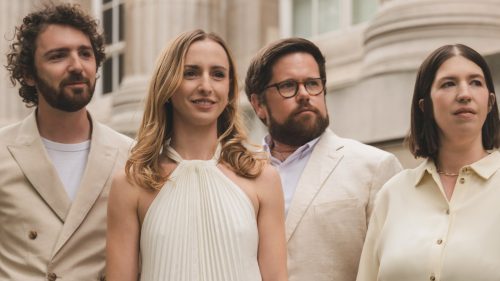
(200, 227)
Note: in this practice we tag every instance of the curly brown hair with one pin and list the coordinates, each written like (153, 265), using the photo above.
(21, 55)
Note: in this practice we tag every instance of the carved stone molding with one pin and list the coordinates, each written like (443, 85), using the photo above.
(404, 33)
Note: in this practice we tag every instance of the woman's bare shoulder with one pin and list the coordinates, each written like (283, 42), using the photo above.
(124, 186)
(269, 178)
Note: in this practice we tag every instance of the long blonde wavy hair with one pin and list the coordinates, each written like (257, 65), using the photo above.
(156, 126)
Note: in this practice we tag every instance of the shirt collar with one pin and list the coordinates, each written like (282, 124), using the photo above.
(427, 166)
(485, 167)
(302, 151)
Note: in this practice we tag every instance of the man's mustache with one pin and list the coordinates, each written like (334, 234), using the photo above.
(305, 105)
(75, 78)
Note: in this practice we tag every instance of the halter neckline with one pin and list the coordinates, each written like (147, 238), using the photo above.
(172, 154)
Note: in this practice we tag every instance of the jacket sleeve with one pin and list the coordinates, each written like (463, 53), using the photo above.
(369, 263)
(387, 167)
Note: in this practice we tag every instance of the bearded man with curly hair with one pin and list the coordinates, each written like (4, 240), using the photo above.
(56, 166)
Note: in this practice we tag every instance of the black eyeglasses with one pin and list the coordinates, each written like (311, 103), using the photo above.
(290, 88)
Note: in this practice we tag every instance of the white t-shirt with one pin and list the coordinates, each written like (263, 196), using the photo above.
(70, 161)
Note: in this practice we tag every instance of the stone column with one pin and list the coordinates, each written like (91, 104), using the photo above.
(12, 109)
(250, 25)
(405, 32)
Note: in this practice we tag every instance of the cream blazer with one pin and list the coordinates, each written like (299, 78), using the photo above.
(329, 214)
(43, 235)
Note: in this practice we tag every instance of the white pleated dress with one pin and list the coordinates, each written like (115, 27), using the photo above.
(200, 227)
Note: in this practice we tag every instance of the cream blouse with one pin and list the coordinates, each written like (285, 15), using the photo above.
(416, 234)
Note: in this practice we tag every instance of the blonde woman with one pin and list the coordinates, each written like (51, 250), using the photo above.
(441, 221)
(193, 200)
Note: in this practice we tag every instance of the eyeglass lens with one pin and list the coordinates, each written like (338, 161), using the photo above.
(289, 88)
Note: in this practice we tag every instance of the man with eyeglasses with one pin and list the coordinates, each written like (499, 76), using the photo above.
(329, 182)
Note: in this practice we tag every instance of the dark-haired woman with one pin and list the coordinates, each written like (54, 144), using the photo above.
(441, 221)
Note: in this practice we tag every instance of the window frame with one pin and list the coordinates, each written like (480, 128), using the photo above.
(346, 19)
(113, 50)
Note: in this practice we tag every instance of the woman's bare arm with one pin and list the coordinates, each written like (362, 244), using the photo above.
(122, 239)
(271, 223)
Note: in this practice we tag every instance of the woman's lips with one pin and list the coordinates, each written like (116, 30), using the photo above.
(465, 112)
(203, 103)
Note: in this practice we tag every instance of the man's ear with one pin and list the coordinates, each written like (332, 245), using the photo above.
(421, 104)
(28, 78)
(260, 109)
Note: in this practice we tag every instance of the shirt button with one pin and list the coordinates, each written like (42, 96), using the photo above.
(464, 169)
(103, 278)
(462, 180)
(447, 212)
(433, 278)
(440, 241)
(32, 234)
(52, 277)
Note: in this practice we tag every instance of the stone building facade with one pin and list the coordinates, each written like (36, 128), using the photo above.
(373, 49)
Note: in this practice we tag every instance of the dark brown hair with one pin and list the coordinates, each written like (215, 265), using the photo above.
(21, 56)
(260, 70)
(422, 139)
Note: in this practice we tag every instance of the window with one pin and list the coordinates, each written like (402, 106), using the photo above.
(112, 19)
(363, 10)
(314, 17)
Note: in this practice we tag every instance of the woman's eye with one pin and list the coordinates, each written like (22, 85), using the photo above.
(477, 83)
(448, 84)
(189, 73)
(219, 75)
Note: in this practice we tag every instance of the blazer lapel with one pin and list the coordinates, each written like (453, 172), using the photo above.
(100, 163)
(322, 162)
(32, 158)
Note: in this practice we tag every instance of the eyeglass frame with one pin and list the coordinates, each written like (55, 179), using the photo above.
(323, 81)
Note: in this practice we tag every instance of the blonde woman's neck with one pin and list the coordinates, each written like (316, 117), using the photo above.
(194, 142)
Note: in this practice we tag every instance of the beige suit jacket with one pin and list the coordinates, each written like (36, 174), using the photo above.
(329, 214)
(42, 233)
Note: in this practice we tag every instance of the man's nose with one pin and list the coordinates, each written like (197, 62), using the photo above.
(75, 65)
(302, 93)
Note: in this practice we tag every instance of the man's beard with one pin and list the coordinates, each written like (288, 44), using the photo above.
(296, 131)
(59, 99)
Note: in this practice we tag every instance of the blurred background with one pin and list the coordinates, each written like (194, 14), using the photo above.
(373, 49)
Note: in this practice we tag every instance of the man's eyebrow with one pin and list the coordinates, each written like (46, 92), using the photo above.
(65, 49)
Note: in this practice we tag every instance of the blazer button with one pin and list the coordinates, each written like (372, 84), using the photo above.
(103, 278)
(52, 277)
(32, 234)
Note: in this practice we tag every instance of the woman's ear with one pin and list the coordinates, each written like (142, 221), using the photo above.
(421, 104)
(491, 101)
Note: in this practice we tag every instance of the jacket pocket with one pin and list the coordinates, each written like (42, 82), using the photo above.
(336, 205)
